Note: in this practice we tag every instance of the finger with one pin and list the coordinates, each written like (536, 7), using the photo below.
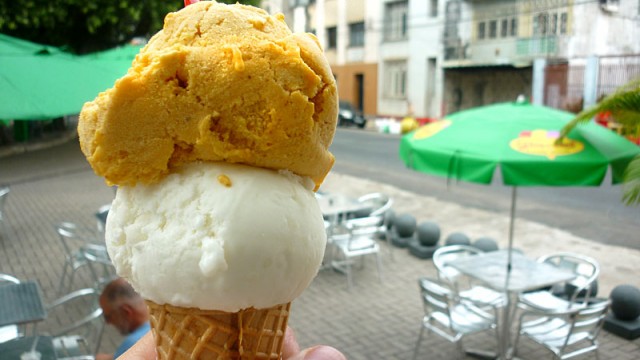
(290, 347)
(320, 352)
(144, 349)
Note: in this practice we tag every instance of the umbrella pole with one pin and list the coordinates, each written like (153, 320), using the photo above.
(511, 223)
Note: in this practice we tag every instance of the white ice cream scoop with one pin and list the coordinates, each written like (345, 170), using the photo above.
(218, 236)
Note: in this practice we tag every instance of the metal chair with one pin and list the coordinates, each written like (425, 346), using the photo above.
(480, 295)
(449, 316)
(354, 243)
(567, 333)
(9, 332)
(4, 194)
(81, 249)
(379, 204)
(81, 325)
(376, 216)
(575, 293)
(101, 218)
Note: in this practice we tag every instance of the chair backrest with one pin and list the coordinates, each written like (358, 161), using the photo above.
(585, 268)
(436, 296)
(80, 322)
(74, 237)
(448, 253)
(588, 321)
(378, 202)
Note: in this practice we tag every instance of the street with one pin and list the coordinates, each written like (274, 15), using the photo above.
(595, 213)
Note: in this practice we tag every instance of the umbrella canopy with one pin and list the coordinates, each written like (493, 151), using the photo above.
(520, 138)
(38, 82)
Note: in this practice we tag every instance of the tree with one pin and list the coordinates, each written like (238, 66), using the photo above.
(624, 107)
(84, 26)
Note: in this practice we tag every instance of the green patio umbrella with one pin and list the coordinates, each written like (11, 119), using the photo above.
(36, 87)
(39, 82)
(520, 138)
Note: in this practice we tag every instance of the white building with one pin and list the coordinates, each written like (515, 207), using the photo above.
(432, 57)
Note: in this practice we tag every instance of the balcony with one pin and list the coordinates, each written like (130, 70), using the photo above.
(500, 52)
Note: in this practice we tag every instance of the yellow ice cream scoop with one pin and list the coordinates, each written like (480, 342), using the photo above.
(218, 83)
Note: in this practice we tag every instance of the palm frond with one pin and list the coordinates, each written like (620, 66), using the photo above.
(623, 104)
(631, 187)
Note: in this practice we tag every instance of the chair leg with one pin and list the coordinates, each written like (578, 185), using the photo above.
(415, 351)
(62, 277)
(379, 265)
(347, 267)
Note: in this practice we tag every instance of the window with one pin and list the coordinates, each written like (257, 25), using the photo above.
(504, 28)
(332, 37)
(395, 21)
(493, 29)
(396, 79)
(553, 24)
(356, 34)
(482, 30)
(540, 24)
(433, 8)
(563, 23)
(514, 27)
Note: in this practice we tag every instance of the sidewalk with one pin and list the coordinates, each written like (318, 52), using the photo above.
(373, 321)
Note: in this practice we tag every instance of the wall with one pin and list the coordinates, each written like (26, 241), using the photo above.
(347, 86)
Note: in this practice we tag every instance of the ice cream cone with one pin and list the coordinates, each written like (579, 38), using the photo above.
(190, 333)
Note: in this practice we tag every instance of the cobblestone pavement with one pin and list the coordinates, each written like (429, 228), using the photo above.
(375, 320)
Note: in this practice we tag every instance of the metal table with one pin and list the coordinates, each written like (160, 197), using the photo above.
(21, 304)
(336, 205)
(526, 274)
(11, 350)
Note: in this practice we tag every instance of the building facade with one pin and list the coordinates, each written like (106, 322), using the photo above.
(428, 58)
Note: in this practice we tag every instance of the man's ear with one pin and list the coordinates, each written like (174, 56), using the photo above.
(127, 309)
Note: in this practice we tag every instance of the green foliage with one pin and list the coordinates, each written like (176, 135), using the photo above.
(624, 106)
(84, 26)
(632, 182)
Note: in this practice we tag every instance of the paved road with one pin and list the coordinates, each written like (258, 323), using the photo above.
(595, 213)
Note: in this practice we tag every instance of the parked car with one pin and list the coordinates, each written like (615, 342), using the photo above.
(348, 115)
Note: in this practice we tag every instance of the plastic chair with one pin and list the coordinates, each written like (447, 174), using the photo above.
(82, 250)
(448, 316)
(566, 333)
(8, 332)
(480, 295)
(81, 325)
(355, 243)
(574, 294)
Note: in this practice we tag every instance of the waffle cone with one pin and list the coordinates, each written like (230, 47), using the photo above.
(190, 333)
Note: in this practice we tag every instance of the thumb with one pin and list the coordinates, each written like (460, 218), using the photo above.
(320, 352)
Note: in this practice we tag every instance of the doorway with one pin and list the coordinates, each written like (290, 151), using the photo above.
(359, 98)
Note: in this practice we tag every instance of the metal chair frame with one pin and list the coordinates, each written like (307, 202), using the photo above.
(480, 295)
(561, 331)
(68, 343)
(587, 271)
(449, 316)
(81, 251)
(355, 243)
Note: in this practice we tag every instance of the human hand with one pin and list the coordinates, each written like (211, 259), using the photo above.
(145, 349)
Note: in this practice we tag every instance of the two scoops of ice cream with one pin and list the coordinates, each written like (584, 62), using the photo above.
(217, 137)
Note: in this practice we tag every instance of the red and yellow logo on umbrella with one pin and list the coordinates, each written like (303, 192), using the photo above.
(543, 143)
(431, 129)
